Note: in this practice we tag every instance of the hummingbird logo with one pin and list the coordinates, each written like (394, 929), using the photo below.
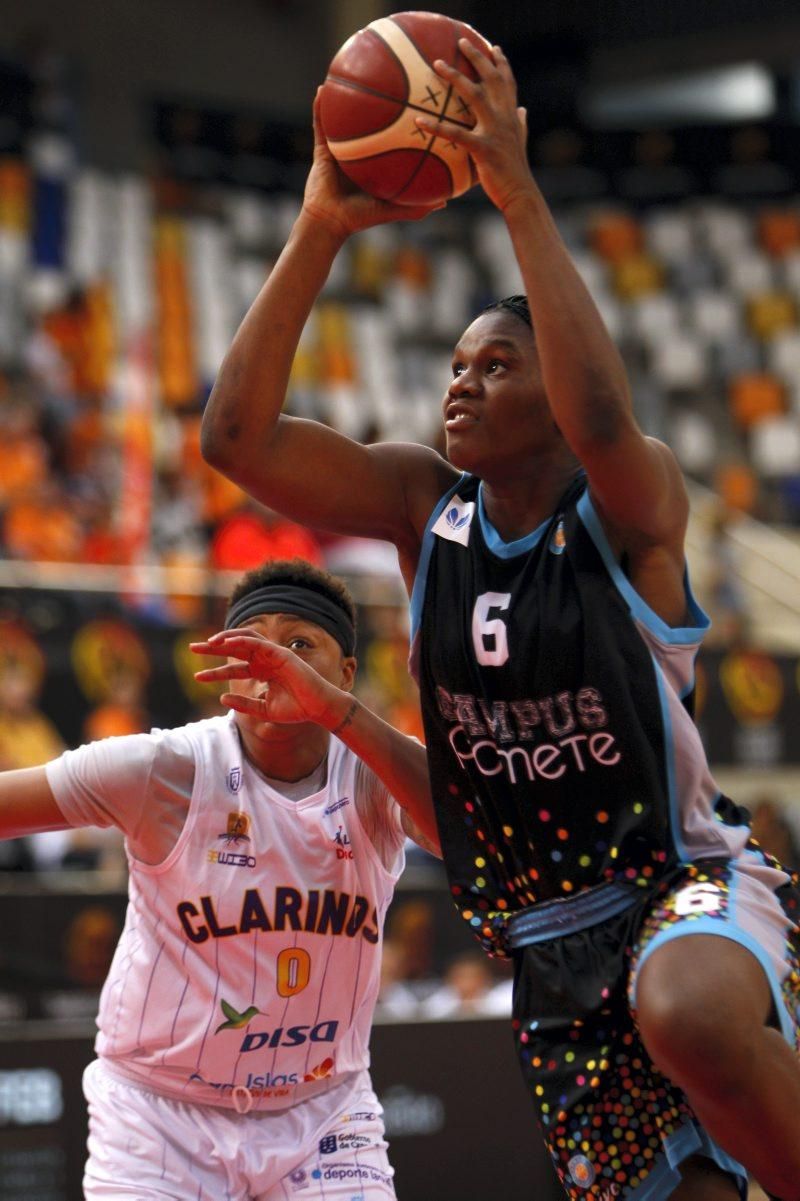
(236, 1020)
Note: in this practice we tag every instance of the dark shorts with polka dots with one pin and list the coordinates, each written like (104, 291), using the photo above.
(614, 1126)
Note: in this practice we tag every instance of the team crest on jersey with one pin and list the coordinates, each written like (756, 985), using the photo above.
(237, 831)
(558, 541)
(582, 1171)
(234, 779)
(455, 521)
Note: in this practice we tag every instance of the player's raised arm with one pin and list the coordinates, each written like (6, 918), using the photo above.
(27, 804)
(635, 480)
(302, 468)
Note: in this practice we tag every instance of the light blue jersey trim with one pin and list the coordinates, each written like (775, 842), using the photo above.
(734, 933)
(675, 636)
(669, 761)
(421, 577)
(507, 550)
(665, 1176)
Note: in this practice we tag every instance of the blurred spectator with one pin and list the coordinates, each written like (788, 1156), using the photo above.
(176, 514)
(27, 738)
(411, 929)
(255, 534)
(101, 543)
(468, 989)
(122, 712)
(41, 526)
(89, 944)
(388, 684)
(95, 850)
(396, 999)
(23, 452)
(774, 830)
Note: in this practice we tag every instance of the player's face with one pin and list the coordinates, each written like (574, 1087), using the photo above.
(495, 410)
(310, 643)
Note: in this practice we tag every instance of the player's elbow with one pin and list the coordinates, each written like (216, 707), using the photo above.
(221, 432)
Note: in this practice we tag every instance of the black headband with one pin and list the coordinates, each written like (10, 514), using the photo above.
(298, 601)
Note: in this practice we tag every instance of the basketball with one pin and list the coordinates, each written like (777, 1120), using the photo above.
(380, 80)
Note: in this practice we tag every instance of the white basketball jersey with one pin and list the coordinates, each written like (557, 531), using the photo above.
(251, 956)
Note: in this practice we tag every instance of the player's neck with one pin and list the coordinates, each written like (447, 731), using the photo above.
(518, 504)
(290, 758)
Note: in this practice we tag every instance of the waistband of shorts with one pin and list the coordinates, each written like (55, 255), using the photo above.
(552, 919)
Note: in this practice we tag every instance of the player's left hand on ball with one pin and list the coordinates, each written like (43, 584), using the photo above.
(333, 200)
(497, 142)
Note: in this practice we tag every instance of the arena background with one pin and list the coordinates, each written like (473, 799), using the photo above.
(152, 155)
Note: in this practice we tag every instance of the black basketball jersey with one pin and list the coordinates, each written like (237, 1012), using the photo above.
(555, 703)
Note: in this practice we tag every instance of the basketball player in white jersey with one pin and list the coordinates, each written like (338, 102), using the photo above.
(263, 850)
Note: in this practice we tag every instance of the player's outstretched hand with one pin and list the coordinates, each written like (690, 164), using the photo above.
(498, 140)
(292, 691)
(332, 199)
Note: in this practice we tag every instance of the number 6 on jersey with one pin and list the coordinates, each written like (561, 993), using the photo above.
(495, 653)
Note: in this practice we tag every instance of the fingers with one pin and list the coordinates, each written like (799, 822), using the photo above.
(228, 671)
(477, 57)
(494, 89)
(236, 642)
(464, 86)
(484, 65)
(411, 212)
(319, 136)
(256, 706)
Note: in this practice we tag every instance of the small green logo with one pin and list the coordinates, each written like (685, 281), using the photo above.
(236, 1020)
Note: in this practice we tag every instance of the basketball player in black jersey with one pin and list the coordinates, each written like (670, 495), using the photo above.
(656, 992)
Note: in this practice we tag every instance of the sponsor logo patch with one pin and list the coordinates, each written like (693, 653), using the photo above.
(582, 1171)
(234, 1019)
(454, 522)
(342, 842)
(237, 831)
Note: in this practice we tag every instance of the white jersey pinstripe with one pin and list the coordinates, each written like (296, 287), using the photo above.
(250, 956)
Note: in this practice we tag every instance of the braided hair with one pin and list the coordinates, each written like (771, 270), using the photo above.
(518, 305)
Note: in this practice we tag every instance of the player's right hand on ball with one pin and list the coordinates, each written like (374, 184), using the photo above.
(497, 143)
(335, 202)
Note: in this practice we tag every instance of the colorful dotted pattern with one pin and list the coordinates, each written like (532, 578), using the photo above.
(499, 886)
(605, 1109)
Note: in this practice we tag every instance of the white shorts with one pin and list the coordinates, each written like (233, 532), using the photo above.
(143, 1145)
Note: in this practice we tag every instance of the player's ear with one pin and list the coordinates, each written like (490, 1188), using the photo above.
(349, 666)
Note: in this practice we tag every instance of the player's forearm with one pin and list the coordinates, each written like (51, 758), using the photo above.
(245, 403)
(399, 762)
(582, 370)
